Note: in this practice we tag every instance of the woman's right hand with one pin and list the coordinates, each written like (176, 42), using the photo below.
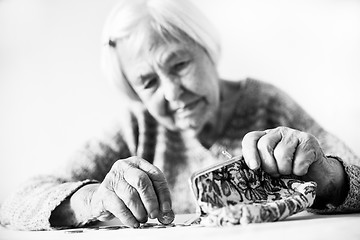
(132, 191)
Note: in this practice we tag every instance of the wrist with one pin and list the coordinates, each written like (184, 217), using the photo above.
(75, 210)
(333, 190)
(342, 185)
(81, 203)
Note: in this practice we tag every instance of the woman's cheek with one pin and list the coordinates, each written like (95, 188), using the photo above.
(158, 108)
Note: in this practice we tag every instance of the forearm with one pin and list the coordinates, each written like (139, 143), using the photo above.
(76, 210)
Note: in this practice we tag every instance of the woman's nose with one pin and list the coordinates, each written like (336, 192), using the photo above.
(172, 90)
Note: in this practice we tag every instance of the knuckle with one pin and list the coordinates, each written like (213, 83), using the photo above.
(126, 163)
(130, 196)
(290, 139)
(142, 182)
(278, 129)
(281, 130)
(134, 161)
(119, 166)
(157, 172)
(249, 136)
(112, 180)
(308, 145)
(311, 156)
(285, 129)
(308, 139)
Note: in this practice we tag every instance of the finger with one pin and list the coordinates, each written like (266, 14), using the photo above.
(249, 149)
(266, 146)
(129, 195)
(141, 182)
(160, 185)
(285, 151)
(115, 181)
(117, 207)
(305, 155)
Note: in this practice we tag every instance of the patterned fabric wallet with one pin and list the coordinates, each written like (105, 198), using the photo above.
(230, 193)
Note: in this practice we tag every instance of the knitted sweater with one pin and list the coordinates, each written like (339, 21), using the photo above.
(257, 106)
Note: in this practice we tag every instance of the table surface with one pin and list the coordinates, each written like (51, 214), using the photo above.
(304, 225)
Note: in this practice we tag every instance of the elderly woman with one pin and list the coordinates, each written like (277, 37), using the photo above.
(178, 117)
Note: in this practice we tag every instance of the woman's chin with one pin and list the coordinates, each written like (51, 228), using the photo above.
(194, 125)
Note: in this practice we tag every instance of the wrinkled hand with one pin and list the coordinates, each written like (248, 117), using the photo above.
(132, 191)
(285, 151)
(281, 151)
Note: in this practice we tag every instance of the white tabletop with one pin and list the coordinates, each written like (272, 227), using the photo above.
(304, 226)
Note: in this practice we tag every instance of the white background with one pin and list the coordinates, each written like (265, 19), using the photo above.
(53, 94)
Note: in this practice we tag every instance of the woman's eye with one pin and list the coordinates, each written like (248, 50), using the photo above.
(149, 83)
(179, 66)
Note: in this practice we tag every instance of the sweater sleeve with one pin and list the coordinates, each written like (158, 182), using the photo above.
(31, 205)
(352, 201)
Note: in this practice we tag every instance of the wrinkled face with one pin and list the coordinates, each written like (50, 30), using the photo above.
(177, 82)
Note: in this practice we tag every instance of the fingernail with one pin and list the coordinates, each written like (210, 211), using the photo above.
(154, 214)
(253, 165)
(165, 207)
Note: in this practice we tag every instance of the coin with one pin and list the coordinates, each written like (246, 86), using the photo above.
(166, 218)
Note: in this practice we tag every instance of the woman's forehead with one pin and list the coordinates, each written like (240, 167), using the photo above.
(146, 60)
(149, 38)
(152, 46)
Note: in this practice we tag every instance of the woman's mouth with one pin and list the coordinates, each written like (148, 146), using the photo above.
(188, 108)
(190, 114)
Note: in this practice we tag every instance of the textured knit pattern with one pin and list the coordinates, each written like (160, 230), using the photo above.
(258, 106)
(47, 192)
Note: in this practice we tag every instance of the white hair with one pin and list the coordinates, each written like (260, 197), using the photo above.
(174, 19)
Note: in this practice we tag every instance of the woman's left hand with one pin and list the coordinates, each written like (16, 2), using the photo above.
(285, 151)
